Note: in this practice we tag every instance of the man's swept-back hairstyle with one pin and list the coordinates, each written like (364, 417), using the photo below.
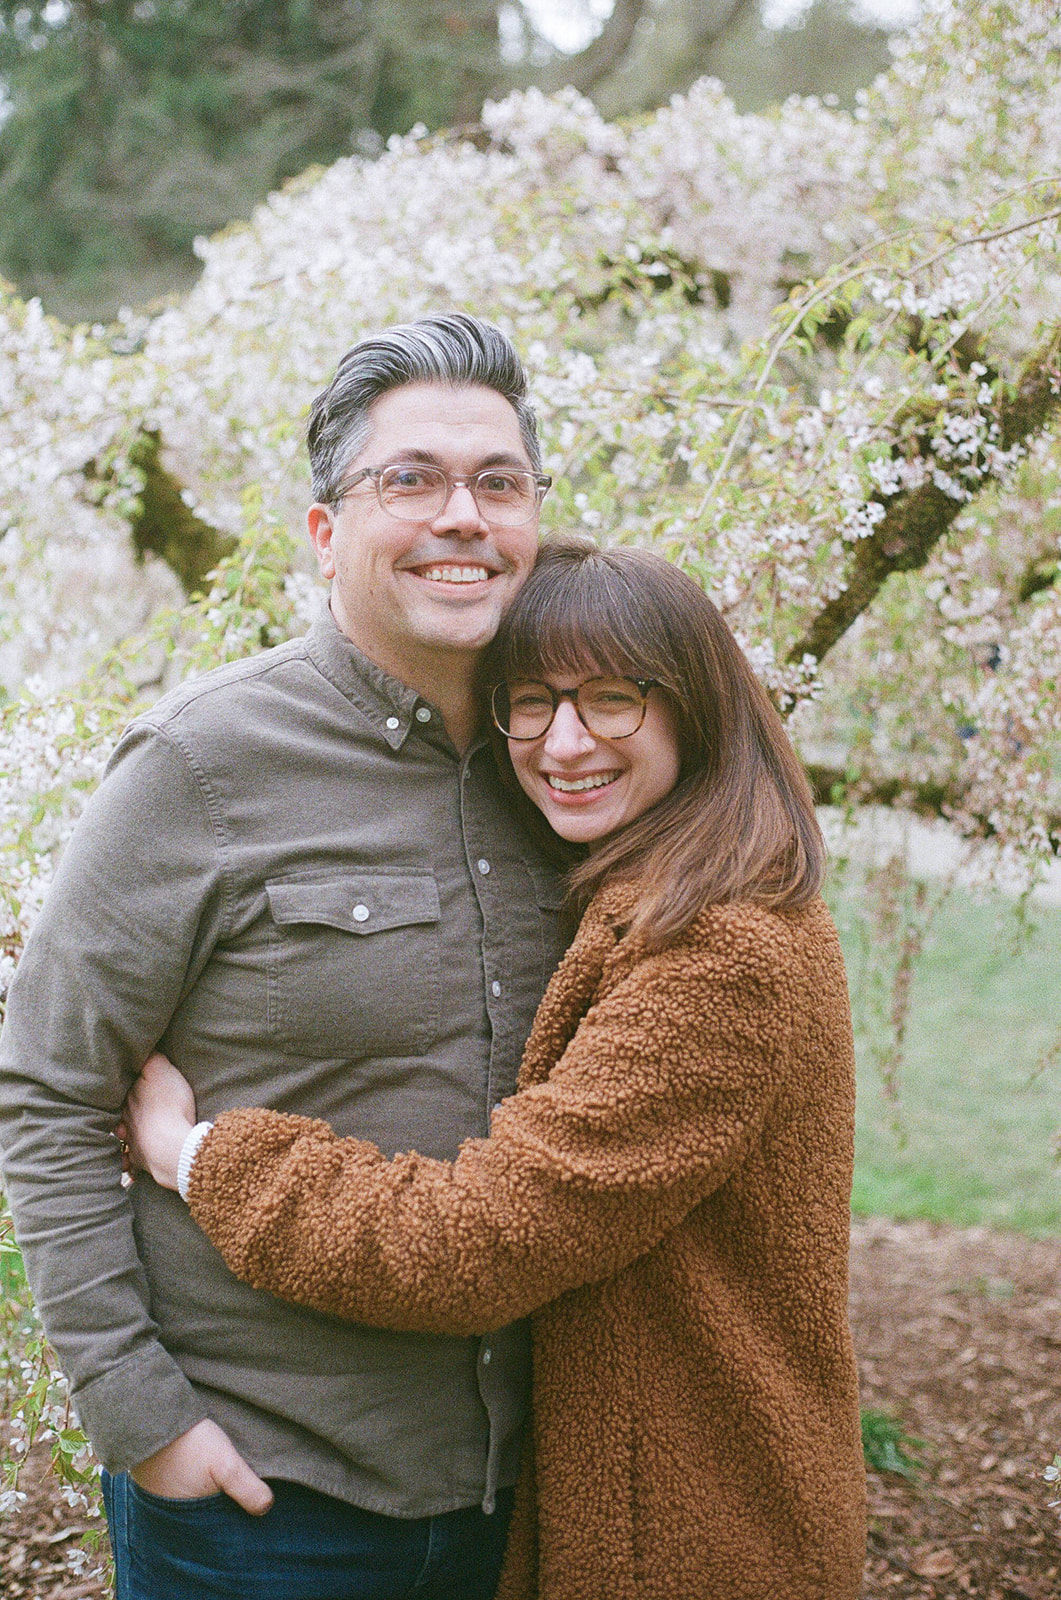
(455, 349)
(740, 823)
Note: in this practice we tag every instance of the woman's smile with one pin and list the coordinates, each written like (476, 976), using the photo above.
(588, 787)
(569, 785)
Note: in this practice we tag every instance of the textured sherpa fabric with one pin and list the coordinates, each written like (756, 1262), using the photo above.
(668, 1194)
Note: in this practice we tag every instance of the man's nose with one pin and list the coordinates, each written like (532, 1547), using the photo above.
(568, 737)
(460, 515)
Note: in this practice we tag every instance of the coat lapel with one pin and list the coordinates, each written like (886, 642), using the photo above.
(571, 991)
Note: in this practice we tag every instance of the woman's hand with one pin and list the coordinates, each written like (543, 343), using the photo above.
(158, 1116)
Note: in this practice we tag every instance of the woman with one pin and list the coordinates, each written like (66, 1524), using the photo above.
(667, 1193)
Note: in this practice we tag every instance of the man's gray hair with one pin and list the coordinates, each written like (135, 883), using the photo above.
(455, 349)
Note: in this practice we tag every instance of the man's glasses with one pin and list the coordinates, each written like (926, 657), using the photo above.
(504, 496)
(609, 708)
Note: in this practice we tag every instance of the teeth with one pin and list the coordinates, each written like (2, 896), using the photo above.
(597, 780)
(456, 574)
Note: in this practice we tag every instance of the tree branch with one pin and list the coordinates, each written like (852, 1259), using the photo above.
(668, 57)
(603, 55)
(833, 786)
(710, 29)
(163, 524)
(932, 798)
(608, 52)
(916, 519)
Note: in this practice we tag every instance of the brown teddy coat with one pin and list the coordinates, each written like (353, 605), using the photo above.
(667, 1194)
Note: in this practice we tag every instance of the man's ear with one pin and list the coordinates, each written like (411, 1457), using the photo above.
(321, 524)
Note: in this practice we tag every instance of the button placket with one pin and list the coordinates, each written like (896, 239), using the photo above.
(496, 873)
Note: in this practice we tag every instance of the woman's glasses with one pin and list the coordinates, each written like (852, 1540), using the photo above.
(609, 708)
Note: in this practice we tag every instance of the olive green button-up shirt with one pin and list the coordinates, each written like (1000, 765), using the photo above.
(290, 881)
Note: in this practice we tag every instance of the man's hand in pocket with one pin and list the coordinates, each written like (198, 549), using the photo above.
(202, 1462)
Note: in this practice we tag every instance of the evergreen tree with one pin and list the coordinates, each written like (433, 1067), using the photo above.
(134, 125)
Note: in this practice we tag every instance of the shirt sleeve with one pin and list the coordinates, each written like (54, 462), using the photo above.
(130, 919)
(655, 1101)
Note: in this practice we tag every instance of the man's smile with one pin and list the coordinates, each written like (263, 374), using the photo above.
(451, 572)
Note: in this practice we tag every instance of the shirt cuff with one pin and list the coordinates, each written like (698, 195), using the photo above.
(189, 1151)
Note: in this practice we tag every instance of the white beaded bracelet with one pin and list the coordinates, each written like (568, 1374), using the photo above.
(189, 1151)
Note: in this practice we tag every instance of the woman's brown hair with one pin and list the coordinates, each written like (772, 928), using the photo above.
(740, 823)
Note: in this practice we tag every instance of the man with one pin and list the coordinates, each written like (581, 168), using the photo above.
(301, 879)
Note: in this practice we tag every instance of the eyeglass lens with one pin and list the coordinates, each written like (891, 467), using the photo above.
(419, 493)
(611, 708)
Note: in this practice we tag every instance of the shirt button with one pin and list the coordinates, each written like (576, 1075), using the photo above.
(423, 714)
(361, 913)
(394, 722)
(486, 1357)
(495, 988)
(483, 865)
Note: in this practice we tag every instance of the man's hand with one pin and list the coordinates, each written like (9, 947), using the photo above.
(201, 1462)
(158, 1116)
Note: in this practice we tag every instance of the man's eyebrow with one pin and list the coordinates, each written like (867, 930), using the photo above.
(498, 458)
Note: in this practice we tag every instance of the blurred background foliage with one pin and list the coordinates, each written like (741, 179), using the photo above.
(130, 127)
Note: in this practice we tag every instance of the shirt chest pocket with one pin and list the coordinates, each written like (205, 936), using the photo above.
(355, 965)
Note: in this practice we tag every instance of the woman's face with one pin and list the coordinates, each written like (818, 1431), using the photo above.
(588, 787)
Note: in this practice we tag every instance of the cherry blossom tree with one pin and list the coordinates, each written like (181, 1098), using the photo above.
(813, 357)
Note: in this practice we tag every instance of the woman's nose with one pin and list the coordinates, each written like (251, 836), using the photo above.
(568, 737)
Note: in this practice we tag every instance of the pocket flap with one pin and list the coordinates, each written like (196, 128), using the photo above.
(550, 888)
(367, 903)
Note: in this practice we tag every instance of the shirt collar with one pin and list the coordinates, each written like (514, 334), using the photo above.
(390, 706)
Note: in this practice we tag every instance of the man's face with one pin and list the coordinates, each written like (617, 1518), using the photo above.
(411, 593)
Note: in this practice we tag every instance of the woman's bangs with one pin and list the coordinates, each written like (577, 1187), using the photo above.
(581, 626)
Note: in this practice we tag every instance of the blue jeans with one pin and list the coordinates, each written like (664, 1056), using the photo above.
(307, 1547)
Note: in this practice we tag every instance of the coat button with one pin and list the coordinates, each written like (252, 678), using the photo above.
(495, 989)
(393, 722)
(423, 714)
(361, 913)
(483, 865)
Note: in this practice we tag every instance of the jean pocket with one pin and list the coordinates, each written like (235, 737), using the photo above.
(187, 1549)
(177, 1502)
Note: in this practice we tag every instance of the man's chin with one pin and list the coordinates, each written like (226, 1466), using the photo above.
(459, 629)
(470, 642)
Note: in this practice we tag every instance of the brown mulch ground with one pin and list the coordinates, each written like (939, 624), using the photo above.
(35, 1541)
(959, 1337)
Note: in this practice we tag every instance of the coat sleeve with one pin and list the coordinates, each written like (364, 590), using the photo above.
(655, 1102)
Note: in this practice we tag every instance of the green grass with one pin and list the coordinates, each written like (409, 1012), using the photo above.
(970, 1138)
